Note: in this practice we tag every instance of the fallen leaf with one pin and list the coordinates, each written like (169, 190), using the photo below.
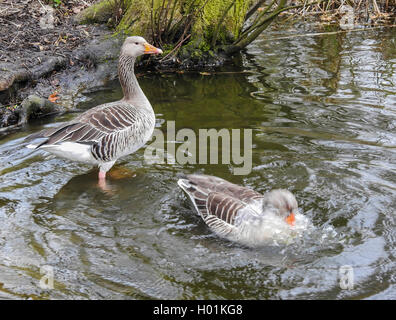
(53, 97)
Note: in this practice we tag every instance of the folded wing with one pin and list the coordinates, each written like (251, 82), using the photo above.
(106, 128)
(217, 201)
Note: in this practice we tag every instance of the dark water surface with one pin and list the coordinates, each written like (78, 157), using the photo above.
(323, 114)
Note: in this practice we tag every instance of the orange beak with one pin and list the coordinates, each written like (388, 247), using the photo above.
(291, 219)
(149, 49)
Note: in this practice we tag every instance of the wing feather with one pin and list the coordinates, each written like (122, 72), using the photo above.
(102, 126)
(218, 209)
(209, 184)
(222, 210)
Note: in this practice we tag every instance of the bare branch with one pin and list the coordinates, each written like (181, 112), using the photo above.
(254, 9)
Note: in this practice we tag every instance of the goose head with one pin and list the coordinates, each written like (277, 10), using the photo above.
(284, 203)
(136, 46)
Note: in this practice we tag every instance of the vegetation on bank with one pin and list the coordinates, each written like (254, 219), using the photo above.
(205, 30)
(201, 31)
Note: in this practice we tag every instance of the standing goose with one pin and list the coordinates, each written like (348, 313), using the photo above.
(109, 131)
(239, 213)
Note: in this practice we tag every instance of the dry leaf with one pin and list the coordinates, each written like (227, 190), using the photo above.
(53, 97)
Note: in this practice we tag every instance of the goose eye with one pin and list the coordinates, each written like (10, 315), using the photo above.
(136, 43)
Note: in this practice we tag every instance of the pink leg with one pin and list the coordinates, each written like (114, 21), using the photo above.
(102, 182)
(102, 175)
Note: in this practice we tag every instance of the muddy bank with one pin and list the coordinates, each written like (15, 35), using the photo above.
(44, 52)
(33, 106)
(67, 78)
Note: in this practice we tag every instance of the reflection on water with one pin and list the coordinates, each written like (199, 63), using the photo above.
(323, 114)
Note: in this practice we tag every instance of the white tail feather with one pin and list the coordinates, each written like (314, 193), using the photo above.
(183, 183)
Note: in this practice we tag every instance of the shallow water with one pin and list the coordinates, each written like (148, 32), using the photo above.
(323, 114)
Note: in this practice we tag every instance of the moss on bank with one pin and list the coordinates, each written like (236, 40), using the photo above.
(101, 12)
(209, 24)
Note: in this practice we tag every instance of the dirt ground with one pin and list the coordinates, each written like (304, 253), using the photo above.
(31, 26)
(43, 51)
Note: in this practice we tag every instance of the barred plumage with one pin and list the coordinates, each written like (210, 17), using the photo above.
(239, 213)
(107, 132)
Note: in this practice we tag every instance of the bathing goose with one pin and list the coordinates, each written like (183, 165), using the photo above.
(109, 131)
(239, 213)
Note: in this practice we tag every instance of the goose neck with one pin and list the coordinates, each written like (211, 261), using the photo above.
(130, 86)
